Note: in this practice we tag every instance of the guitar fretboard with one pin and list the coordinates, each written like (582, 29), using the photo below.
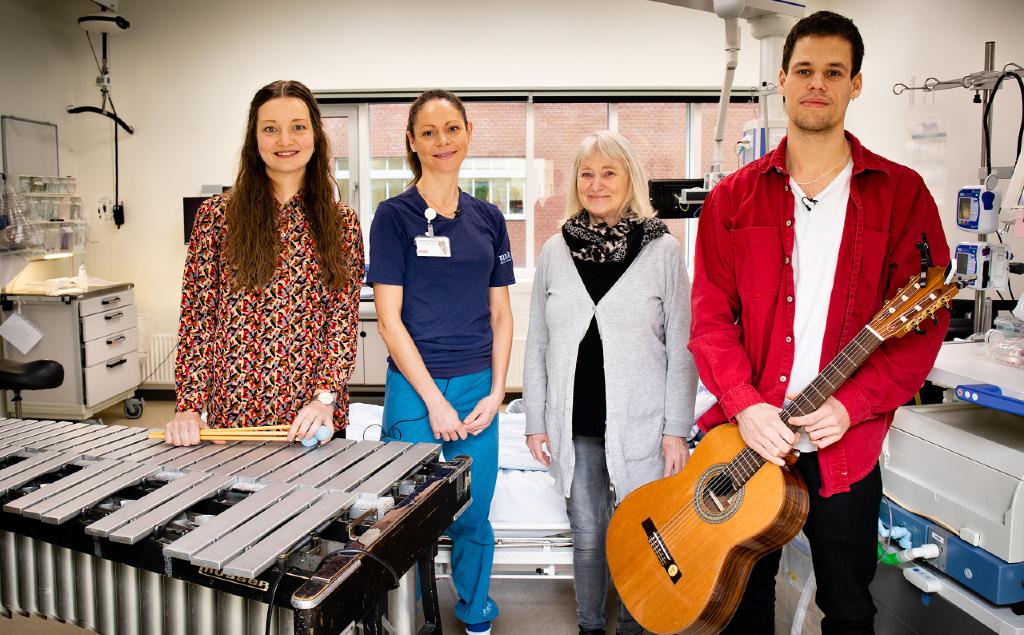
(747, 462)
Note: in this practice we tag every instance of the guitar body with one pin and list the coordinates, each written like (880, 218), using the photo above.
(681, 549)
(707, 544)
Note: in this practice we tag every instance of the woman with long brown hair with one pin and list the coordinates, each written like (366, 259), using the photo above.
(441, 266)
(270, 297)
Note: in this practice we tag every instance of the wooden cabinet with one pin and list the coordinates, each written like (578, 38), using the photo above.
(95, 336)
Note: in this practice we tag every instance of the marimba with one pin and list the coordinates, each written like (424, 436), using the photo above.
(124, 535)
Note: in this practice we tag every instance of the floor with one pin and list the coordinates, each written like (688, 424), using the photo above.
(534, 606)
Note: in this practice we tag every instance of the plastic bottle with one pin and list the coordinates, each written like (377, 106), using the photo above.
(83, 278)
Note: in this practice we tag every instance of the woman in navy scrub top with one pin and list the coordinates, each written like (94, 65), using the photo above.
(440, 287)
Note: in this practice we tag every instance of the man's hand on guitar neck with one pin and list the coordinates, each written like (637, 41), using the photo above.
(763, 432)
(826, 425)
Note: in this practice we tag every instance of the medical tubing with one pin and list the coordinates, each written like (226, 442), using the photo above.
(988, 108)
(888, 536)
(900, 534)
(926, 551)
(800, 614)
(1009, 285)
(886, 558)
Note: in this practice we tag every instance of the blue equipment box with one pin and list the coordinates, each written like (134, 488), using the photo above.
(994, 579)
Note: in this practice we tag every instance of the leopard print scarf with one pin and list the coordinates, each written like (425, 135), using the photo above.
(603, 243)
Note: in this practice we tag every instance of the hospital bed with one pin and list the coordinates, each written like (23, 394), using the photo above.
(531, 530)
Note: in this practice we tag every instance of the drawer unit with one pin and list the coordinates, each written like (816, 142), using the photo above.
(95, 338)
(111, 377)
(103, 348)
(109, 322)
(110, 300)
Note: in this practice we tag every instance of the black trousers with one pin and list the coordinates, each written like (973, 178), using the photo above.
(843, 532)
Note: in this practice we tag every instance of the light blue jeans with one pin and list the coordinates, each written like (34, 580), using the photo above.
(590, 506)
(405, 419)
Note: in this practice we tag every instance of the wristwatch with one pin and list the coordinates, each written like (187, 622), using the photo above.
(326, 398)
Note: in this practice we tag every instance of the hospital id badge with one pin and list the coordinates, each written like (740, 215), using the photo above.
(433, 247)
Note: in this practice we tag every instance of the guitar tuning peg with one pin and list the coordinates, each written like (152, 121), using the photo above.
(919, 330)
(935, 320)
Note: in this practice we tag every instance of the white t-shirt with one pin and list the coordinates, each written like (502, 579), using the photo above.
(819, 232)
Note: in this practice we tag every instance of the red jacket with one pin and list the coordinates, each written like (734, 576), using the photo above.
(743, 309)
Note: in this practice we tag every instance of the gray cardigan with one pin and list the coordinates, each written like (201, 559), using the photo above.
(650, 377)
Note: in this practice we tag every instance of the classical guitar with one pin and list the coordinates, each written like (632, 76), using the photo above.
(681, 549)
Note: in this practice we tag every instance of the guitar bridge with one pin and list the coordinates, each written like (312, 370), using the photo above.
(661, 551)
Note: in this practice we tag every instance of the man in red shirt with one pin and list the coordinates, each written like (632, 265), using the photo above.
(796, 252)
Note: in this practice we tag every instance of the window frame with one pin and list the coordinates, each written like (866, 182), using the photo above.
(329, 100)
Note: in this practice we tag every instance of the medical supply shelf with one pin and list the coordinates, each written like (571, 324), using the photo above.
(966, 363)
(94, 335)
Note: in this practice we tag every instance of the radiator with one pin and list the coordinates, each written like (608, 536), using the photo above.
(158, 367)
(516, 364)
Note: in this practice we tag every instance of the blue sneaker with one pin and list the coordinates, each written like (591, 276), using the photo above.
(478, 629)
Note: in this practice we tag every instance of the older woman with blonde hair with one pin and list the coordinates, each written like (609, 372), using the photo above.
(609, 386)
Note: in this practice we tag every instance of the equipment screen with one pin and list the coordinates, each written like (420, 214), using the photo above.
(963, 261)
(964, 212)
(190, 207)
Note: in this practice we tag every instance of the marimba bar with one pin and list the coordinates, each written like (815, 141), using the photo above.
(104, 528)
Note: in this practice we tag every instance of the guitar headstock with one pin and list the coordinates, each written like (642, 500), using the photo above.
(916, 302)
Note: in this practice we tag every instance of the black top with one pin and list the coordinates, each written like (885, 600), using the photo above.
(589, 403)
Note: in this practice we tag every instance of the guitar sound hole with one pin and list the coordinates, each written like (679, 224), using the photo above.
(716, 496)
(719, 494)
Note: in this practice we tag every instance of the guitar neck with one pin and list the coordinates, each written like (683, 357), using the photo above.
(832, 376)
(905, 311)
(747, 462)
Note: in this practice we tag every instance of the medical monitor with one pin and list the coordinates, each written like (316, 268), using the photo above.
(670, 197)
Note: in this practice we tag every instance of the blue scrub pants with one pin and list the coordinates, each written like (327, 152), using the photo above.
(405, 419)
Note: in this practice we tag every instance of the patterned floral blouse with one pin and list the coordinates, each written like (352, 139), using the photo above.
(256, 357)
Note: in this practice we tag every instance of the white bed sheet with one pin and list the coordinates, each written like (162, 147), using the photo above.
(525, 503)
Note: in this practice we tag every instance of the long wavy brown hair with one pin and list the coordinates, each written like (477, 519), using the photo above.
(253, 244)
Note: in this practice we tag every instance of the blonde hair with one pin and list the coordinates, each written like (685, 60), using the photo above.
(612, 145)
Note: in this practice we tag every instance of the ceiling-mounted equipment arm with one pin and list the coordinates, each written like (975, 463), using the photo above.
(732, 48)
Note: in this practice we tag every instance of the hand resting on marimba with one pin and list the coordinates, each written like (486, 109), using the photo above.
(309, 418)
(184, 429)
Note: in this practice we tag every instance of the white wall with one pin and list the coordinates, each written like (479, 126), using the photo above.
(946, 40)
(185, 70)
(36, 61)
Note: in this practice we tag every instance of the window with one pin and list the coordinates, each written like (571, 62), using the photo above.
(500, 181)
(388, 177)
(522, 149)
(735, 120)
(558, 130)
(659, 133)
(336, 129)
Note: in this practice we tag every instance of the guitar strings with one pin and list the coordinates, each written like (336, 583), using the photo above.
(749, 460)
(844, 364)
(803, 403)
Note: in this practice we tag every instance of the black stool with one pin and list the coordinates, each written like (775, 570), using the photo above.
(40, 374)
